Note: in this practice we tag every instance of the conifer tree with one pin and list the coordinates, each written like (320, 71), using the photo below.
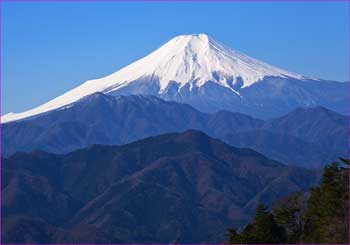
(321, 218)
(262, 230)
(327, 216)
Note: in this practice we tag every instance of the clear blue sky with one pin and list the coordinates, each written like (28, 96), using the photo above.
(49, 48)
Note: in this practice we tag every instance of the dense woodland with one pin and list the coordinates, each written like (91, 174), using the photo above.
(320, 216)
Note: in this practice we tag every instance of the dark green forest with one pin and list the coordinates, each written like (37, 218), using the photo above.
(319, 216)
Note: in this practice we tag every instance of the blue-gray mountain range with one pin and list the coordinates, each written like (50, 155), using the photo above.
(309, 137)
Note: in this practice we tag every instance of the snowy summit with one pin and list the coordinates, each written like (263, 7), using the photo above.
(182, 65)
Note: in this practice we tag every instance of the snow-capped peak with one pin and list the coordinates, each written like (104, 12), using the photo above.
(186, 59)
(194, 59)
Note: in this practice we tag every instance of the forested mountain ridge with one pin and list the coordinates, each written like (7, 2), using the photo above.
(318, 217)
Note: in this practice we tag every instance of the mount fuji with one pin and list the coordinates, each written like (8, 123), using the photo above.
(197, 70)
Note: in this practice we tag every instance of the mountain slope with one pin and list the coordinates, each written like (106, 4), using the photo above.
(183, 187)
(307, 137)
(103, 119)
(197, 70)
(318, 125)
(313, 136)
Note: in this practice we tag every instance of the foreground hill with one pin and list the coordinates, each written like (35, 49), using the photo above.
(308, 137)
(184, 187)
